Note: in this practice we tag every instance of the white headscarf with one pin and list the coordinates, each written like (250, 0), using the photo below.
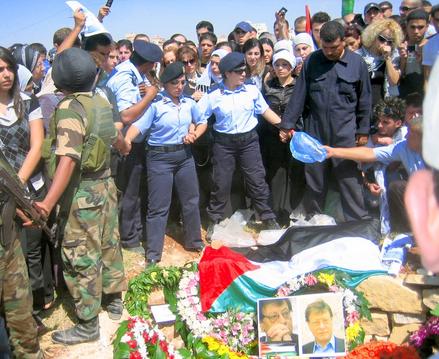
(304, 38)
(24, 76)
(208, 76)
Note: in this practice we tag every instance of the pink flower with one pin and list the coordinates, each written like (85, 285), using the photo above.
(353, 317)
(310, 280)
(200, 317)
(132, 344)
(283, 291)
(334, 288)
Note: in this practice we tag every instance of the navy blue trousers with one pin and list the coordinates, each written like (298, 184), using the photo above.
(131, 182)
(165, 170)
(242, 150)
(349, 181)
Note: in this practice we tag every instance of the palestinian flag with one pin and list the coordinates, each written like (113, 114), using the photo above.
(237, 278)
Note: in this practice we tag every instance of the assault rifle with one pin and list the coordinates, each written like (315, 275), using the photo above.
(11, 184)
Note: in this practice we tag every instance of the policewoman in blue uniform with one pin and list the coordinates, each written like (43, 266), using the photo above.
(172, 122)
(235, 106)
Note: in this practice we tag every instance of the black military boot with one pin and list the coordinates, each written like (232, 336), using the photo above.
(112, 303)
(83, 332)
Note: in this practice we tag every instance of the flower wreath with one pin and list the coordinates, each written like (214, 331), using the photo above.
(137, 338)
(232, 331)
(354, 304)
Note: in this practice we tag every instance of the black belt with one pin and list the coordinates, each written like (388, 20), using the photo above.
(96, 175)
(166, 149)
(235, 136)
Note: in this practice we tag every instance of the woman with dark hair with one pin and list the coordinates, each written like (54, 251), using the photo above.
(125, 49)
(30, 58)
(268, 47)
(236, 106)
(189, 58)
(255, 64)
(173, 122)
(21, 138)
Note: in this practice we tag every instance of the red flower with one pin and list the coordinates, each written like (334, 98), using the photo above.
(135, 355)
(154, 338)
(164, 346)
(132, 344)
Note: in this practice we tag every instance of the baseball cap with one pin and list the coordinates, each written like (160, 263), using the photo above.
(370, 6)
(244, 26)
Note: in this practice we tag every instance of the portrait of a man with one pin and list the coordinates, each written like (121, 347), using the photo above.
(319, 318)
(276, 322)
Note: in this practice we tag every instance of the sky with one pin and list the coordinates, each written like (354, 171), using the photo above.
(28, 21)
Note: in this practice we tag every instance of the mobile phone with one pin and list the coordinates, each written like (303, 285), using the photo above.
(109, 3)
(282, 11)
(412, 48)
(299, 60)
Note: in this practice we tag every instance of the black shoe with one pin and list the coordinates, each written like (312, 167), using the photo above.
(152, 262)
(83, 332)
(270, 224)
(197, 249)
(113, 305)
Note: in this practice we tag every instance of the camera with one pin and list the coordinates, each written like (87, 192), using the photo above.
(109, 3)
(412, 48)
(282, 11)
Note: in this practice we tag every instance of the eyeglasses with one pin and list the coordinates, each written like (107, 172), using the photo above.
(276, 316)
(385, 40)
(406, 8)
(188, 62)
(238, 71)
(177, 82)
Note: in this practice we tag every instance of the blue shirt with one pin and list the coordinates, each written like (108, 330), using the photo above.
(167, 123)
(328, 349)
(235, 110)
(400, 151)
(123, 82)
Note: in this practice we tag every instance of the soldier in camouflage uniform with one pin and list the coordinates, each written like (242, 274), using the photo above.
(83, 130)
(15, 291)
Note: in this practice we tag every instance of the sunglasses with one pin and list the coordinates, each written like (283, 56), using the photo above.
(406, 8)
(188, 62)
(238, 71)
(385, 40)
(177, 82)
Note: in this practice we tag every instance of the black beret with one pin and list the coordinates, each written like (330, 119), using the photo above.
(147, 51)
(171, 72)
(232, 61)
(74, 70)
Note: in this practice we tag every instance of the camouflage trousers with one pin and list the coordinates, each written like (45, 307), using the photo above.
(16, 296)
(91, 249)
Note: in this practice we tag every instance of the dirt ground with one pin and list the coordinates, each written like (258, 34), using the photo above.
(61, 316)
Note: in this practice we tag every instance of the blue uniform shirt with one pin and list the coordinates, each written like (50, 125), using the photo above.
(235, 110)
(167, 123)
(124, 82)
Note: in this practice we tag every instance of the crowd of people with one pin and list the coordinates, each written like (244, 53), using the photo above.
(112, 139)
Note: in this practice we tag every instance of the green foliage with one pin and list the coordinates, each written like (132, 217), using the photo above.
(141, 287)
(435, 311)
(358, 340)
(121, 350)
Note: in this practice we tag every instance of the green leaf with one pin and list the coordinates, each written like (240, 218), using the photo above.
(122, 351)
(159, 353)
(435, 311)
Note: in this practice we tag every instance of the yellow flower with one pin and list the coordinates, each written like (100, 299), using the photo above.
(222, 350)
(212, 343)
(328, 279)
(353, 331)
(154, 276)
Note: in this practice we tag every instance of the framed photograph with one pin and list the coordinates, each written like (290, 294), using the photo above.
(321, 322)
(277, 328)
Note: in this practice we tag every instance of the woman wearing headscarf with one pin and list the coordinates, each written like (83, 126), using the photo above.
(276, 155)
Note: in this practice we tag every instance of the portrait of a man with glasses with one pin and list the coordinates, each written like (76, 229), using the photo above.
(276, 321)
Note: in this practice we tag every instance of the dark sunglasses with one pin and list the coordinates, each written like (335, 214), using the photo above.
(385, 40)
(238, 71)
(189, 62)
(406, 8)
(177, 82)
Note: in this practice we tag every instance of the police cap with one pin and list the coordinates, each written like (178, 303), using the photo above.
(172, 71)
(74, 70)
(147, 51)
(232, 61)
